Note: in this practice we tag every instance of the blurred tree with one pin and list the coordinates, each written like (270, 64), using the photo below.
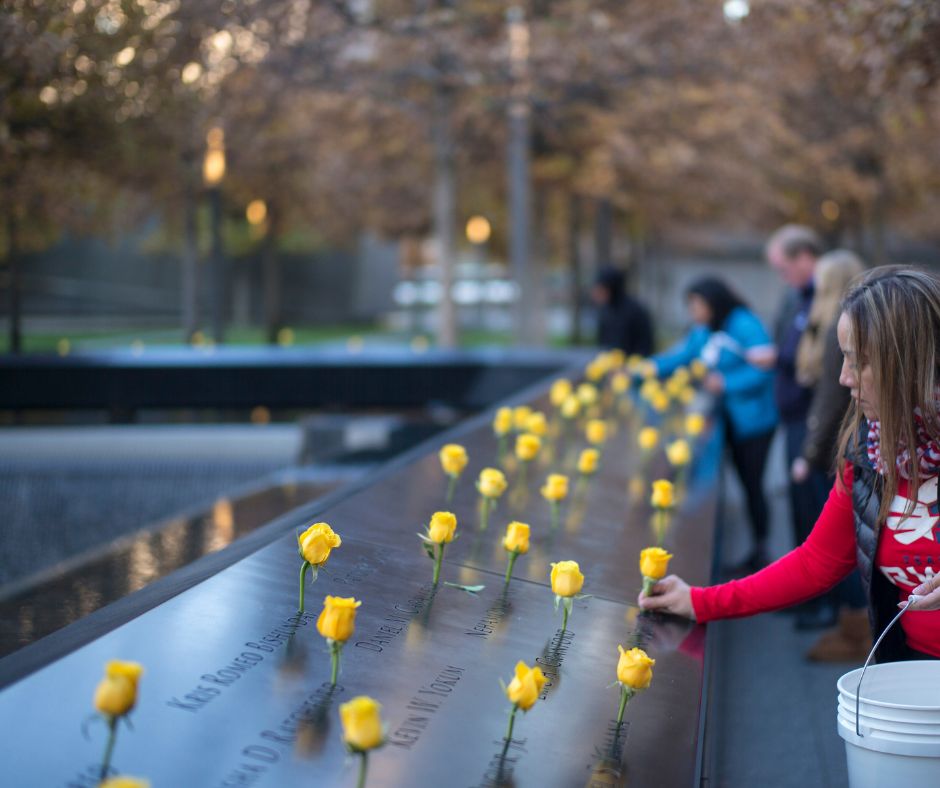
(391, 115)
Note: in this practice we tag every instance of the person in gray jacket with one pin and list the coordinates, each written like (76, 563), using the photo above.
(818, 364)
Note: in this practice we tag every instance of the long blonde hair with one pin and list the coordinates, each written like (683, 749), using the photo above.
(894, 313)
(834, 273)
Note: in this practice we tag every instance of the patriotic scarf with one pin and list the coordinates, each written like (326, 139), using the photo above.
(927, 450)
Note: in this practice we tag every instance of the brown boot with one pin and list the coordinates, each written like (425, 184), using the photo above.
(848, 641)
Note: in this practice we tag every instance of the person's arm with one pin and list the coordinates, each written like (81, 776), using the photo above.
(745, 377)
(748, 331)
(683, 352)
(825, 558)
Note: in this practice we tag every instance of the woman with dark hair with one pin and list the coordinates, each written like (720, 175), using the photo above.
(725, 332)
(882, 514)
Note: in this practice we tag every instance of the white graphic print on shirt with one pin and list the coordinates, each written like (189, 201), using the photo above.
(922, 524)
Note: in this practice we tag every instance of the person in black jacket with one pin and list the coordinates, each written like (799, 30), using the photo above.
(622, 321)
(818, 366)
(792, 251)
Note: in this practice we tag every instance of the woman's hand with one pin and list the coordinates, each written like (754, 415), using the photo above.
(670, 595)
(929, 593)
(714, 383)
(763, 357)
(799, 470)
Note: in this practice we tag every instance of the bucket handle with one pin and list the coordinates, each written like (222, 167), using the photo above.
(858, 690)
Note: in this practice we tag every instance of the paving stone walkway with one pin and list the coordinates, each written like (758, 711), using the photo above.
(775, 712)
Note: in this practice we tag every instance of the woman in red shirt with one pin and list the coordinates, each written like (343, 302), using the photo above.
(883, 514)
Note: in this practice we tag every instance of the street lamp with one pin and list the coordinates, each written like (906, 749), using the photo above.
(736, 10)
(478, 230)
(213, 173)
(257, 215)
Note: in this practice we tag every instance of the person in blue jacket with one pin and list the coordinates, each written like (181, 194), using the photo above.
(725, 333)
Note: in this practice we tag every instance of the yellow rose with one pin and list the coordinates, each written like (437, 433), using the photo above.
(596, 369)
(678, 452)
(117, 692)
(567, 579)
(634, 668)
(616, 357)
(453, 459)
(587, 394)
(560, 391)
(694, 424)
(502, 421)
(686, 396)
(663, 496)
(520, 415)
(660, 402)
(362, 723)
(587, 461)
(596, 431)
(526, 685)
(654, 562)
(649, 388)
(555, 488)
(647, 369)
(317, 542)
(517, 538)
(537, 424)
(571, 407)
(681, 375)
(442, 527)
(527, 446)
(492, 483)
(648, 438)
(636, 487)
(338, 618)
(123, 781)
(620, 383)
(699, 369)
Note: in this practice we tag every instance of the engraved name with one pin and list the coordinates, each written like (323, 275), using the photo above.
(396, 619)
(552, 657)
(212, 684)
(495, 613)
(423, 705)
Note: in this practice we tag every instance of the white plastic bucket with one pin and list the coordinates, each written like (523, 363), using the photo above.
(899, 719)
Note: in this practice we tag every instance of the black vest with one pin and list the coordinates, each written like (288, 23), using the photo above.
(881, 594)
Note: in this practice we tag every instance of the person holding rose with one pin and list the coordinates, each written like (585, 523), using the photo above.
(881, 515)
(725, 331)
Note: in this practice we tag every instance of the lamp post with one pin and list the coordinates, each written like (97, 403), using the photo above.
(263, 219)
(478, 231)
(519, 188)
(213, 173)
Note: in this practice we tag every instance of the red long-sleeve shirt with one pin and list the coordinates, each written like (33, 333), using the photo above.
(908, 552)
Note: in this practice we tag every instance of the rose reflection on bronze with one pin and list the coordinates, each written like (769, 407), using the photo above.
(660, 521)
(417, 629)
(519, 497)
(575, 518)
(313, 729)
(294, 661)
(609, 770)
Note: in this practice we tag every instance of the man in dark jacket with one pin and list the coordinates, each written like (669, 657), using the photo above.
(622, 321)
(792, 252)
